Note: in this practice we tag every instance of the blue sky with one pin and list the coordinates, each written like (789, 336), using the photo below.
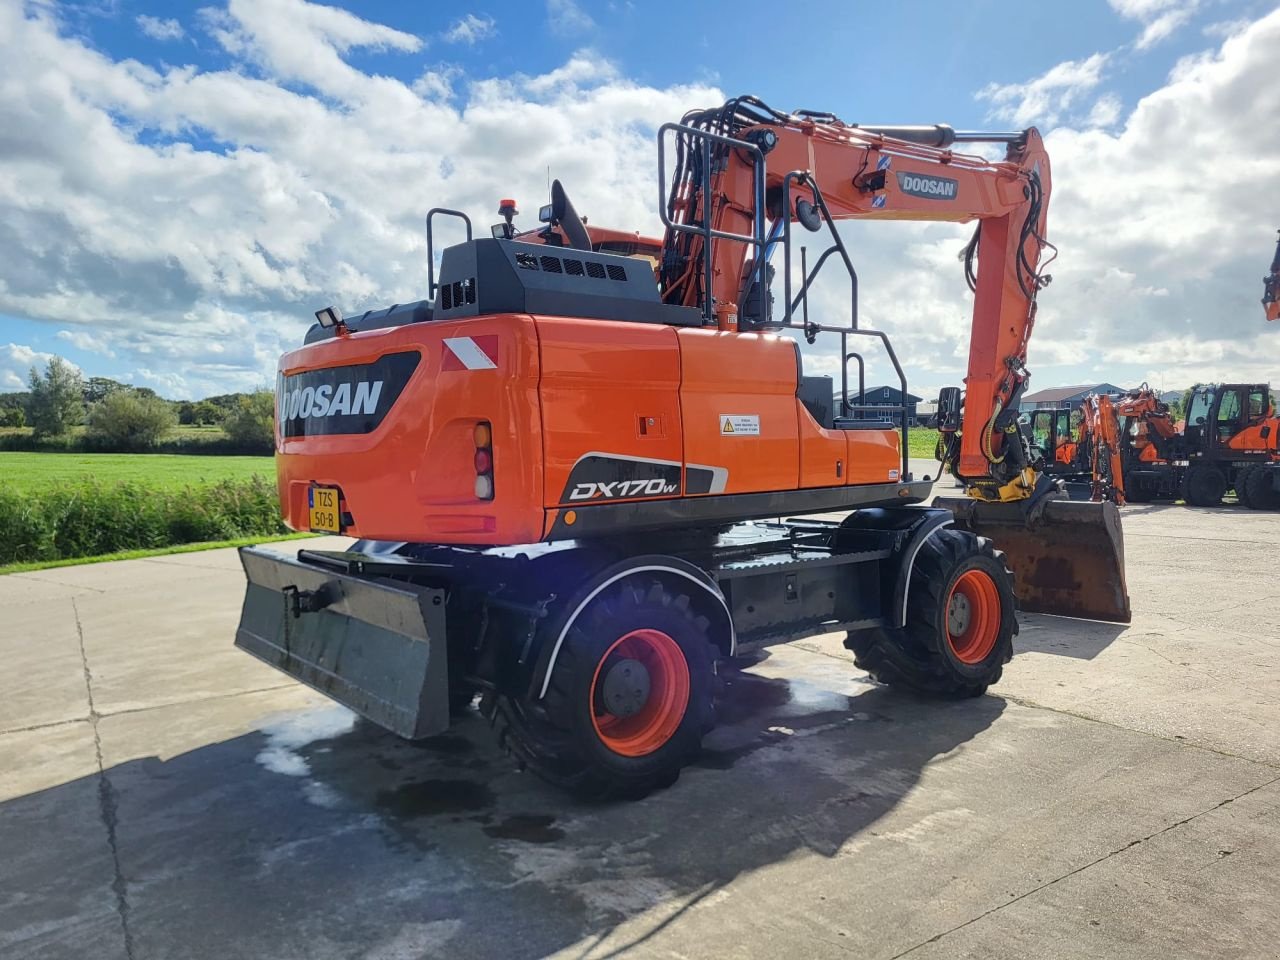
(209, 306)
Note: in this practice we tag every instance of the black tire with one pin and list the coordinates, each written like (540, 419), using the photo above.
(922, 656)
(1203, 486)
(1241, 485)
(1139, 495)
(1262, 493)
(557, 737)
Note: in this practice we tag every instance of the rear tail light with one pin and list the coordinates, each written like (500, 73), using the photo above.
(484, 461)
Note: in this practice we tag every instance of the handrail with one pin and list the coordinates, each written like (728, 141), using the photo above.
(431, 260)
(757, 239)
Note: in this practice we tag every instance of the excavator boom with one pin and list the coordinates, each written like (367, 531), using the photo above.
(746, 173)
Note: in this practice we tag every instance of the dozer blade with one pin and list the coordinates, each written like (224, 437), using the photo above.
(373, 644)
(1067, 556)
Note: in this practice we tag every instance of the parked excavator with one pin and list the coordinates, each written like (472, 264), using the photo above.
(1106, 456)
(1271, 287)
(1229, 441)
(562, 468)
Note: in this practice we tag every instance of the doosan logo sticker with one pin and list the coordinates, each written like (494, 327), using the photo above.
(348, 399)
(931, 188)
(326, 399)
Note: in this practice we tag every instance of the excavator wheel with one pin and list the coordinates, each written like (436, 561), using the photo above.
(1203, 486)
(1262, 493)
(960, 622)
(1139, 494)
(1242, 485)
(629, 700)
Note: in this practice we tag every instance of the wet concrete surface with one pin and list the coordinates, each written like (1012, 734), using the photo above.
(165, 796)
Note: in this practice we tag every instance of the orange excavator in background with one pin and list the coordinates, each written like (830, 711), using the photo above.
(1229, 441)
(562, 467)
(1102, 432)
(1271, 288)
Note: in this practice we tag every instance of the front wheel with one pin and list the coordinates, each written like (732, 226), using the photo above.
(960, 622)
(629, 699)
(1203, 486)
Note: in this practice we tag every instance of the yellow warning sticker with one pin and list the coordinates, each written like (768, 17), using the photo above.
(739, 425)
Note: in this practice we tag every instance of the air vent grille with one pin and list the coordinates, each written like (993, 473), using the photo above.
(458, 293)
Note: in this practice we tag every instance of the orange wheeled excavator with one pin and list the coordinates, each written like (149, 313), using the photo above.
(562, 467)
(1230, 440)
(1271, 288)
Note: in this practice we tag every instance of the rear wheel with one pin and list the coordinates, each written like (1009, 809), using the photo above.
(960, 622)
(1242, 485)
(1263, 494)
(629, 699)
(1203, 486)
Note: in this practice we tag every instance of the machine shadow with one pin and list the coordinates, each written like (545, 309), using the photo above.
(265, 845)
(1065, 637)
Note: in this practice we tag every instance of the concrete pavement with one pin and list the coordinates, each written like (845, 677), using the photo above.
(163, 795)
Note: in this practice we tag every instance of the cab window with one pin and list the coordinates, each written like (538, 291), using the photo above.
(1198, 413)
(1229, 409)
(1040, 430)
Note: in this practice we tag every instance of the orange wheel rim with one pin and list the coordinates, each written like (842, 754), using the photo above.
(656, 722)
(973, 616)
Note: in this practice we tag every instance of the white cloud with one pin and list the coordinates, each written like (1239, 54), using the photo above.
(1048, 97)
(1105, 112)
(470, 29)
(16, 363)
(567, 17)
(208, 263)
(160, 29)
(1160, 19)
(83, 340)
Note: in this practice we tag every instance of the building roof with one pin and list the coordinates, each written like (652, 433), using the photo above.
(1055, 394)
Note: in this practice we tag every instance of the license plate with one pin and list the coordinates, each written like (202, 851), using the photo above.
(323, 507)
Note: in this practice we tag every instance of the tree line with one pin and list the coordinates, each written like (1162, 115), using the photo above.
(124, 418)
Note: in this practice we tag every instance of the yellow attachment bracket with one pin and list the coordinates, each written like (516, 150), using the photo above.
(1019, 488)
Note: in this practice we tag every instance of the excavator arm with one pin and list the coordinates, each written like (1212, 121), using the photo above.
(893, 173)
(1271, 288)
(744, 173)
(1105, 456)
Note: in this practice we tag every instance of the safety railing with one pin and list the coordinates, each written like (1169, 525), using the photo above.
(704, 140)
(431, 257)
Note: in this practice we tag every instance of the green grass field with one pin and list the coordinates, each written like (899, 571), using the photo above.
(921, 442)
(34, 472)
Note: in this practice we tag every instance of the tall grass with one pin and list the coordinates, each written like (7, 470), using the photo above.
(90, 518)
